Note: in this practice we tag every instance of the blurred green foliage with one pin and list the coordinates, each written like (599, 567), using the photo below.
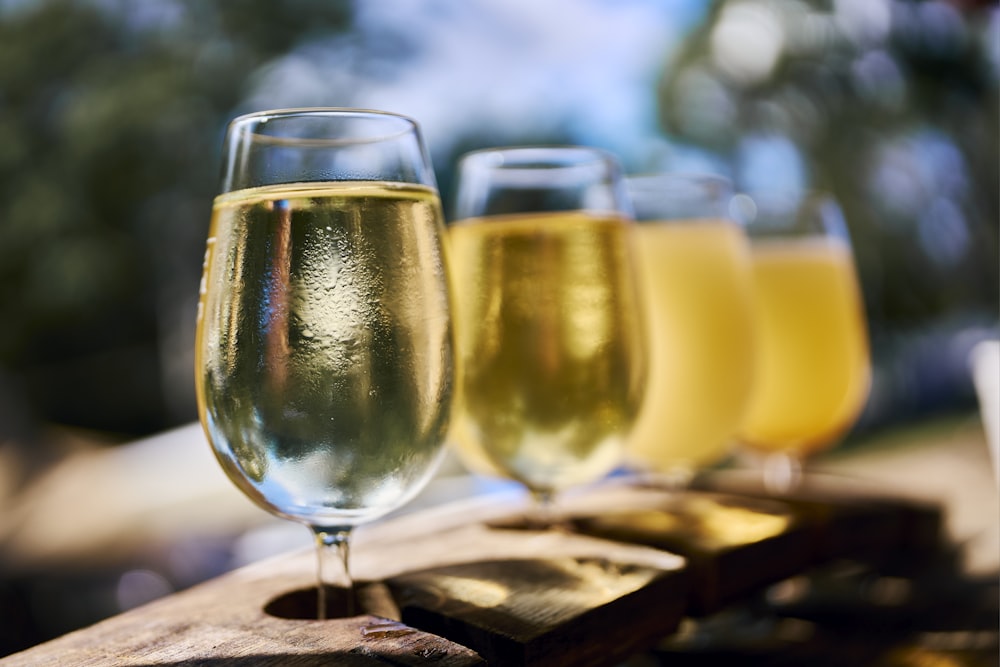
(891, 106)
(111, 115)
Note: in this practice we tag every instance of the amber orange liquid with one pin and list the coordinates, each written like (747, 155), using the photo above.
(696, 280)
(813, 369)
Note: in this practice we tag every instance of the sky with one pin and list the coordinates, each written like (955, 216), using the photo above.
(470, 66)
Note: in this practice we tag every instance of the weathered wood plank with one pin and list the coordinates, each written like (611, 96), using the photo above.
(734, 545)
(561, 609)
(852, 521)
(227, 619)
(459, 586)
(224, 622)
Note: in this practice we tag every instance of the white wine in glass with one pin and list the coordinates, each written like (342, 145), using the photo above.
(549, 331)
(324, 343)
(813, 369)
(695, 268)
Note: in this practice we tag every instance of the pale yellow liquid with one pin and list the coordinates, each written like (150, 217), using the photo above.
(550, 346)
(696, 279)
(324, 346)
(813, 370)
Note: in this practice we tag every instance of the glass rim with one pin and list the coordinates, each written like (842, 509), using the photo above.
(533, 158)
(699, 177)
(795, 212)
(263, 116)
(673, 197)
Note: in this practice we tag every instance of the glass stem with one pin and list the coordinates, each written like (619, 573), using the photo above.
(673, 480)
(782, 473)
(332, 554)
(541, 515)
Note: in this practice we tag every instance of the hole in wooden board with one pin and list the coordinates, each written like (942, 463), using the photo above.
(371, 598)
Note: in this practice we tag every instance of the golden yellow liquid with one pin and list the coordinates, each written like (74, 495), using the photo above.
(696, 280)
(324, 346)
(549, 342)
(813, 370)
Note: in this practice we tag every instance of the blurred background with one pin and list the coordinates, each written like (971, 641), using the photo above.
(111, 120)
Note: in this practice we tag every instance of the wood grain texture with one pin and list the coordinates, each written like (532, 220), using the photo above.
(855, 521)
(734, 545)
(225, 622)
(460, 585)
(577, 602)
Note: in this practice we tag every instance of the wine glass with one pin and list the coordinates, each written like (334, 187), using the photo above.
(695, 269)
(548, 328)
(324, 343)
(813, 369)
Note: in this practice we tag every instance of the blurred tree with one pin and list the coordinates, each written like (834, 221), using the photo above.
(891, 105)
(112, 111)
(111, 115)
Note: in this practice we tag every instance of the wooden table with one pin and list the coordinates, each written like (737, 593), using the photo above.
(464, 583)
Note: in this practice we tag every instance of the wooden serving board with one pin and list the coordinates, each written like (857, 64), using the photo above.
(510, 597)
(734, 545)
(224, 622)
(582, 609)
(857, 523)
(464, 585)
(738, 538)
